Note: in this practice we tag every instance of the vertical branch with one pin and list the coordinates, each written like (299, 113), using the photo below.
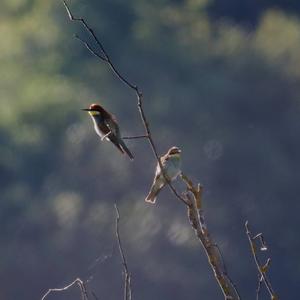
(260, 279)
(262, 269)
(127, 277)
(214, 255)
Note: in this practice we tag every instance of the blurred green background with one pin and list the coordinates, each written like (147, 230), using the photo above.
(220, 80)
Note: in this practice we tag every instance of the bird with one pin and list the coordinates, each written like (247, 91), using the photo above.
(106, 126)
(171, 163)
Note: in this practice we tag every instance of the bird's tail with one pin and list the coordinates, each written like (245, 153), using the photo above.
(124, 148)
(114, 140)
(155, 189)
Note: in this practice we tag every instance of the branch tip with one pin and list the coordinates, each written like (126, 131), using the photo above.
(262, 269)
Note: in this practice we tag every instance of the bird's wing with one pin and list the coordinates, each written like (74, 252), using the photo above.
(112, 125)
(115, 141)
(104, 128)
(164, 159)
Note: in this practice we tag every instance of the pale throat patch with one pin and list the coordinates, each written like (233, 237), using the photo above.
(94, 113)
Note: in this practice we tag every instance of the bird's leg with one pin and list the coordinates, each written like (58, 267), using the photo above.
(106, 135)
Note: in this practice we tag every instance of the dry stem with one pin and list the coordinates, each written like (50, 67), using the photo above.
(262, 269)
(78, 281)
(127, 277)
(83, 286)
(214, 255)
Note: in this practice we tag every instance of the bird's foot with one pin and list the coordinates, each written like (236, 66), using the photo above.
(105, 136)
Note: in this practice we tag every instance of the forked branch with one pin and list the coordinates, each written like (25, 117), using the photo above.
(191, 199)
(106, 58)
(83, 286)
(193, 196)
(261, 268)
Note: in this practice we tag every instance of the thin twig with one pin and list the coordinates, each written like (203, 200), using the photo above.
(135, 137)
(106, 58)
(262, 241)
(127, 276)
(94, 296)
(87, 45)
(260, 279)
(78, 281)
(262, 269)
(83, 285)
(98, 261)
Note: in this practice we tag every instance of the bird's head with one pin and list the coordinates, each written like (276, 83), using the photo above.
(94, 109)
(174, 151)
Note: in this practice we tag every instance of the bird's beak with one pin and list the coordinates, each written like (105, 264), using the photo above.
(86, 109)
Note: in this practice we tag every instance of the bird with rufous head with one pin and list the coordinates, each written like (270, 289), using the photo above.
(106, 126)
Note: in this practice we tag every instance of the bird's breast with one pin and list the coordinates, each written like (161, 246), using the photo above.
(173, 168)
(100, 127)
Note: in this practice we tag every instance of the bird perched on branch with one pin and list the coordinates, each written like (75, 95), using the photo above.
(171, 163)
(106, 127)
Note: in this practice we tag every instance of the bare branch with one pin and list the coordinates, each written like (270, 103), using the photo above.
(214, 255)
(90, 30)
(78, 281)
(127, 278)
(105, 55)
(262, 269)
(134, 87)
(262, 241)
(87, 45)
(192, 198)
(260, 279)
(82, 285)
(135, 137)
